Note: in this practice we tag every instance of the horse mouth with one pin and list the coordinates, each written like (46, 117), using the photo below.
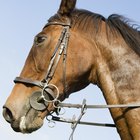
(28, 123)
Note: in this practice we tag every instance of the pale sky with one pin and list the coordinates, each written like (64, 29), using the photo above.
(20, 21)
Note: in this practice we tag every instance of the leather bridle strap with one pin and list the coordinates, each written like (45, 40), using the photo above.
(28, 81)
(58, 23)
(61, 48)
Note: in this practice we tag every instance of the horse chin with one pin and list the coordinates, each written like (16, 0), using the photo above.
(29, 123)
(27, 127)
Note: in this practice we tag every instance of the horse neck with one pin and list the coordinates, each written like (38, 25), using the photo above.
(118, 71)
(123, 65)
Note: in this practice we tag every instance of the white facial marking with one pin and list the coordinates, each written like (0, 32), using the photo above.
(22, 124)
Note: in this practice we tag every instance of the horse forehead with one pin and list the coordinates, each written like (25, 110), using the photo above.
(52, 29)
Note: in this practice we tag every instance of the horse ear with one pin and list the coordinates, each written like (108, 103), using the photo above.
(66, 7)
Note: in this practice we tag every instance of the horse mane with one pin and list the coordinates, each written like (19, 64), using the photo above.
(90, 23)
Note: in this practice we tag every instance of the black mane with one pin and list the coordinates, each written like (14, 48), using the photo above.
(90, 23)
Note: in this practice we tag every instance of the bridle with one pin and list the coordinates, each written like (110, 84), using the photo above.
(39, 99)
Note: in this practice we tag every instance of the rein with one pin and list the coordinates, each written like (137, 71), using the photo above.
(68, 105)
(83, 108)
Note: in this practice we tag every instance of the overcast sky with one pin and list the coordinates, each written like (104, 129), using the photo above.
(20, 21)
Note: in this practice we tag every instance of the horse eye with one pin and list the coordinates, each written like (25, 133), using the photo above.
(39, 39)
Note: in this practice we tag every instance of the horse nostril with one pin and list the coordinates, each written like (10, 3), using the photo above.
(7, 114)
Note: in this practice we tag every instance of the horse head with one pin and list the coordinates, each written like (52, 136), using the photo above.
(76, 48)
(55, 67)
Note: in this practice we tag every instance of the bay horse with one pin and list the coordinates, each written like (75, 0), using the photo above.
(76, 48)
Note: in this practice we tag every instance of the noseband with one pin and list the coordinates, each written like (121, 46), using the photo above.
(39, 99)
